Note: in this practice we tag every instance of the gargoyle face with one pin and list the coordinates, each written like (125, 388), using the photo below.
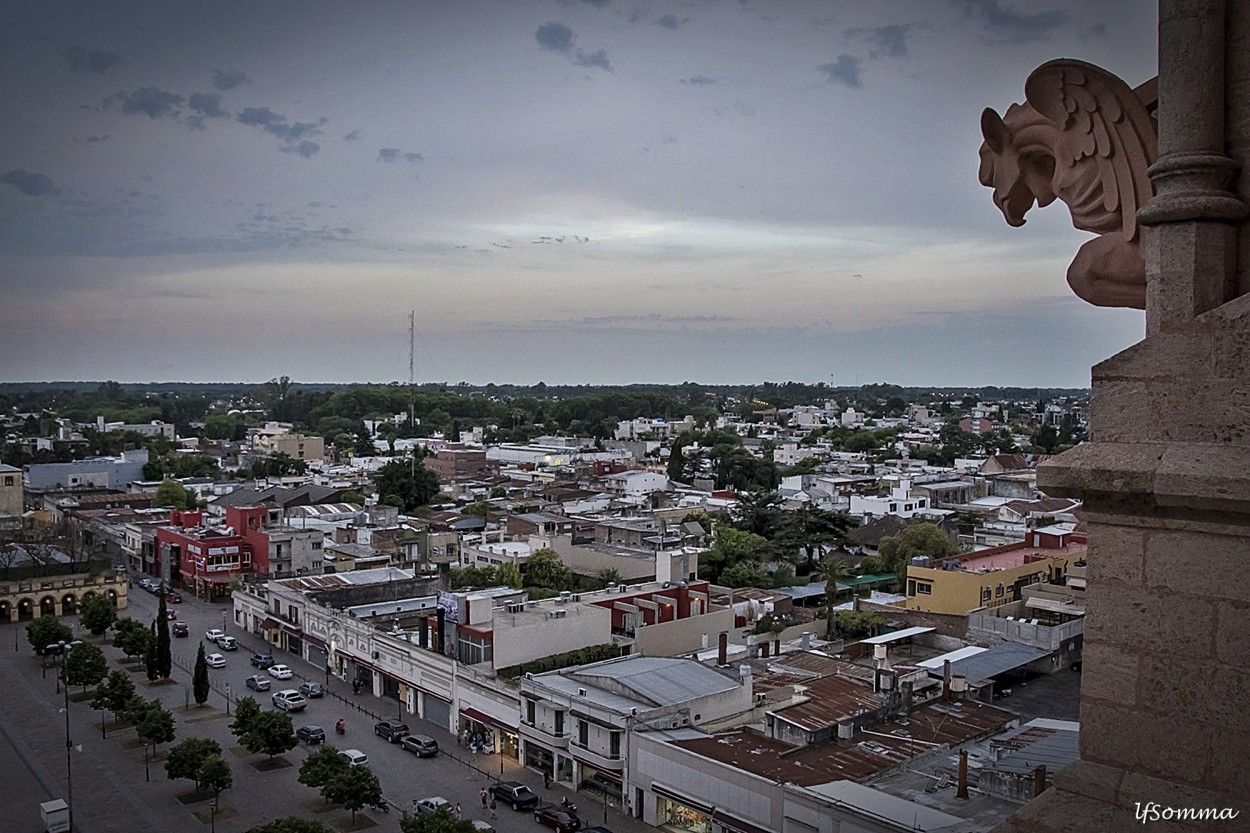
(1017, 181)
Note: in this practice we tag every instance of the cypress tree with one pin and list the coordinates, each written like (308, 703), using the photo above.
(199, 680)
(164, 652)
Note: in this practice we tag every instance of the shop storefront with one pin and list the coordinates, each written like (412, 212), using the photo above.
(603, 783)
(679, 813)
(486, 734)
(538, 758)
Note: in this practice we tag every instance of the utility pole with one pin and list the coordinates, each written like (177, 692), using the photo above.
(412, 391)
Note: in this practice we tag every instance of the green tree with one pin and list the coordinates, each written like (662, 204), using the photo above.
(320, 766)
(246, 710)
(185, 759)
(440, 821)
(47, 630)
(157, 726)
(131, 636)
(85, 665)
(510, 574)
(732, 546)
(199, 678)
(114, 693)
(758, 511)
(810, 530)
(171, 493)
(834, 570)
(412, 484)
(923, 539)
(215, 775)
(291, 824)
(96, 614)
(544, 568)
(857, 623)
(610, 575)
(151, 665)
(164, 651)
(353, 788)
(745, 574)
(271, 733)
(354, 497)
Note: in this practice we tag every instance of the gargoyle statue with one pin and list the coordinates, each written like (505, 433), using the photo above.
(1085, 137)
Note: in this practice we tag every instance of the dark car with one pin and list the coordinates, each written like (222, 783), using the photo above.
(171, 614)
(557, 818)
(392, 730)
(262, 661)
(515, 794)
(598, 828)
(180, 629)
(173, 597)
(311, 690)
(423, 746)
(310, 734)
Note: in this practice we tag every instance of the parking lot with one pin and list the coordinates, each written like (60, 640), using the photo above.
(111, 790)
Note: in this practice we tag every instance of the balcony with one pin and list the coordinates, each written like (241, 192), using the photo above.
(542, 737)
(600, 760)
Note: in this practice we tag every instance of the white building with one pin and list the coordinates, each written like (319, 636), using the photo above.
(899, 502)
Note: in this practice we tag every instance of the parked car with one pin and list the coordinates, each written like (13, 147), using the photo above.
(354, 756)
(181, 630)
(423, 746)
(289, 700)
(516, 794)
(171, 614)
(433, 804)
(262, 661)
(311, 734)
(213, 634)
(598, 828)
(173, 597)
(258, 682)
(483, 826)
(557, 818)
(280, 672)
(311, 690)
(228, 643)
(215, 660)
(392, 730)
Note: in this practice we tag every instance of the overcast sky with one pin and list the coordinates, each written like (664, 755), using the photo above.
(571, 191)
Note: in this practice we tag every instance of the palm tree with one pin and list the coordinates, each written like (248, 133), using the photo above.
(834, 569)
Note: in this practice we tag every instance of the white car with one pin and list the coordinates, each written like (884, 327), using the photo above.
(280, 672)
(289, 700)
(215, 660)
(214, 634)
(354, 756)
(433, 804)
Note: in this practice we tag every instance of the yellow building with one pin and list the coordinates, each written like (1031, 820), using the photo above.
(994, 576)
(10, 490)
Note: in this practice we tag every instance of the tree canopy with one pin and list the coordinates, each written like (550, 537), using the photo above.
(923, 539)
(405, 484)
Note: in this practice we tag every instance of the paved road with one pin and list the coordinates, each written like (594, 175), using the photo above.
(111, 790)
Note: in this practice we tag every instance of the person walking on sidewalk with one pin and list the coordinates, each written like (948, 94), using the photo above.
(492, 808)
(458, 814)
(483, 798)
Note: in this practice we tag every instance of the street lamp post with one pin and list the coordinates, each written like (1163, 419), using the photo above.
(64, 648)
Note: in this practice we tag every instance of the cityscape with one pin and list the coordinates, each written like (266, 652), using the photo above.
(612, 416)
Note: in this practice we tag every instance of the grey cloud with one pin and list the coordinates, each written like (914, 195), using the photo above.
(91, 140)
(672, 21)
(305, 148)
(598, 4)
(296, 130)
(353, 136)
(389, 155)
(890, 41)
(1004, 23)
(845, 70)
(31, 184)
(89, 61)
(597, 59)
(152, 102)
(228, 79)
(207, 104)
(555, 36)
(698, 80)
(195, 123)
(254, 116)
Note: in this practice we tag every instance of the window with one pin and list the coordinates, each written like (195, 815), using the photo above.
(998, 591)
(924, 588)
(529, 712)
(559, 724)
(985, 594)
(614, 745)
(583, 732)
(316, 545)
(8, 480)
(893, 507)
(911, 587)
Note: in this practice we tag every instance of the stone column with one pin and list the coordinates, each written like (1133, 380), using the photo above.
(1165, 717)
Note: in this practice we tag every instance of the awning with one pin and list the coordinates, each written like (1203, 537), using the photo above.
(669, 792)
(270, 624)
(484, 718)
(728, 822)
(291, 630)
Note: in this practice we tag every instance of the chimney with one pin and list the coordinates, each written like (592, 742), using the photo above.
(722, 649)
(683, 600)
(764, 651)
(962, 791)
(1039, 780)
(423, 632)
(777, 647)
(805, 642)
(946, 681)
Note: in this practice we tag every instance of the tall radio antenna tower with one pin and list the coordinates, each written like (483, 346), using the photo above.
(412, 382)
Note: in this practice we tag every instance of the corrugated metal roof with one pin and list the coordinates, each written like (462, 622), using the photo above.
(661, 680)
(887, 638)
(1003, 657)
